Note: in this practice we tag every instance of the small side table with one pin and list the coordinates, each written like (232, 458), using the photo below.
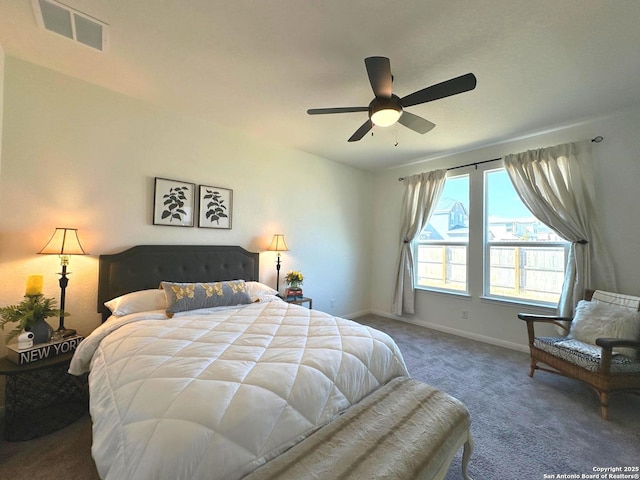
(41, 397)
(301, 301)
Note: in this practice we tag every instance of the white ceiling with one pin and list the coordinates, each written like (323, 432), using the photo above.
(257, 66)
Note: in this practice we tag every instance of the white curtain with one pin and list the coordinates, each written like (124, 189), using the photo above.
(556, 184)
(421, 194)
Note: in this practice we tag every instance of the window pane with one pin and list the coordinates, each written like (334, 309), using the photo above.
(450, 220)
(441, 249)
(525, 259)
(508, 218)
(442, 266)
(527, 272)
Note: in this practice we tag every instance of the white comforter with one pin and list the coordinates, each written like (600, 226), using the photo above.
(215, 394)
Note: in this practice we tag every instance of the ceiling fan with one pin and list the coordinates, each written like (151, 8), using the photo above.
(386, 108)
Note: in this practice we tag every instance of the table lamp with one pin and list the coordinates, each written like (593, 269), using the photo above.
(278, 245)
(64, 242)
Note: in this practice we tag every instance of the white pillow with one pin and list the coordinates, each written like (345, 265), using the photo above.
(600, 320)
(140, 301)
(257, 290)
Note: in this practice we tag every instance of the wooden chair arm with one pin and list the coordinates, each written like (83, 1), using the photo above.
(609, 343)
(531, 319)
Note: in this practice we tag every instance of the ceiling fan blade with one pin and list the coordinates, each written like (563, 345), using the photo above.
(361, 132)
(379, 71)
(415, 123)
(321, 111)
(454, 86)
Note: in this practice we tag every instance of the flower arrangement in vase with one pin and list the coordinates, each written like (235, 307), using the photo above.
(31, 314)
(294, 280)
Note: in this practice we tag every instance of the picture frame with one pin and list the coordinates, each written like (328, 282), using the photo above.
(216, 207)
(173, 203)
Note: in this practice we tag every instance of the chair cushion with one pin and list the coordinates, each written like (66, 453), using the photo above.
(594, 320)
(584, 355)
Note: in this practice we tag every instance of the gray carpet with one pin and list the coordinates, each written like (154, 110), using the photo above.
(523, 427)
(62, 455)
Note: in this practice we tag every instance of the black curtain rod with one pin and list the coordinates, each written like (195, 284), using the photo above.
(597, 139)
(475, 164)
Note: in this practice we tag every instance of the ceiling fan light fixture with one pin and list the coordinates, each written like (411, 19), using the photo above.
(384, 112)
(386, 117)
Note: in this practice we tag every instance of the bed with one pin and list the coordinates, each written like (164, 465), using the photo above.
(213, 376)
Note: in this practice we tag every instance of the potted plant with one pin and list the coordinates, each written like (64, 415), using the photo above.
(30, 315)
(294, 280)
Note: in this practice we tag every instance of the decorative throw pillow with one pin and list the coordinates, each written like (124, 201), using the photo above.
(181, 297)
(140, 301)
(594, 320)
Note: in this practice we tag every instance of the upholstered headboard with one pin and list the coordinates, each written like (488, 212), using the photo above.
(145, 266)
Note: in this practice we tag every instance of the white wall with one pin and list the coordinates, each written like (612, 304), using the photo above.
(617, 172)
(78, 155)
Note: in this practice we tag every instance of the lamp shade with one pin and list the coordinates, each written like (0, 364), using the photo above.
(64, 241)
(278, 244)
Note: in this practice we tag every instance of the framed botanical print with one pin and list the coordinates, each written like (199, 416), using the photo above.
(173, 203)
(216, 205)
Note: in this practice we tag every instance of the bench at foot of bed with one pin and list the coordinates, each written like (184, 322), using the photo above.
(404, 430)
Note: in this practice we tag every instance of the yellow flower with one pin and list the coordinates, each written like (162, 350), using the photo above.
(294, 276)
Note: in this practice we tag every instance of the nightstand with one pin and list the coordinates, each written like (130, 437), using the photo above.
(301, 301)
(41, 397)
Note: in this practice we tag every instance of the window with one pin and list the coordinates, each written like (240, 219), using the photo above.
(521, 258)
(524, 259)
(441, 249)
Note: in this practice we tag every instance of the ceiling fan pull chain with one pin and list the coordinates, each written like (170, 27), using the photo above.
(396, 144)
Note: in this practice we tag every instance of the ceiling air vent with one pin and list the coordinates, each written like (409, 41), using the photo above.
(73, 24)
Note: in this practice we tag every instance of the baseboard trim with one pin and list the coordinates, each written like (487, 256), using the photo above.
(454, 331)
(351, 316)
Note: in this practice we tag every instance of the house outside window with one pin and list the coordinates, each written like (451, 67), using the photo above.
(523, 259)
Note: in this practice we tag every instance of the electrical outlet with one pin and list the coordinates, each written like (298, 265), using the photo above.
(465, 314)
